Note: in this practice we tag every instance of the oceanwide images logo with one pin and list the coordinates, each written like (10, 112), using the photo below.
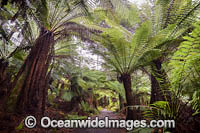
(46, 122)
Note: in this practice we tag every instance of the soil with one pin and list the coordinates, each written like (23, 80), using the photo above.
(9, 122)
(102, 115)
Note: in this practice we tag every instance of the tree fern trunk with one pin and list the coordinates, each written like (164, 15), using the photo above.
(126, 79)
(34, 78)
(159, 84)
(121, 102)
(4, 82)
(3, 75)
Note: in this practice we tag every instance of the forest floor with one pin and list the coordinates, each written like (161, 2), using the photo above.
(102, 115)
(8, 125)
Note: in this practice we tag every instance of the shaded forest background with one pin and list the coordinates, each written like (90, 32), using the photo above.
(72, 58)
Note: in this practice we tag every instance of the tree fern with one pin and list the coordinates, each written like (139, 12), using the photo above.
(175, 17)
(185, 61)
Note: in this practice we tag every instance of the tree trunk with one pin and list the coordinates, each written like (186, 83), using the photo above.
(33, 89)
(4, 82)
(159, 84)
(126, 79)
(121, 102)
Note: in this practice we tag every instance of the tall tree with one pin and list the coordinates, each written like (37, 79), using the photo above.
(164, 14)
(54, 21)
(126, 53)
(15, 39)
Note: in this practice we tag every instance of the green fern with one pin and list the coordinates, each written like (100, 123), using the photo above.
(185, 61)
(185, 67)
(128, 53)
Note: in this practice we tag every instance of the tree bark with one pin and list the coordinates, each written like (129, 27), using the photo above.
(33, 90)
(3, 75)
(126, 79)
(121, 102)
(4, 83)
(159, 83)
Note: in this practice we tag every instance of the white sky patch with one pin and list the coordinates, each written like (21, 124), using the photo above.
(16, 38)
(90, 60)
(138, 2)
(87, 58)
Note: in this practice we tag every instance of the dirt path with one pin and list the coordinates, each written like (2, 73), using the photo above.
(102, 115)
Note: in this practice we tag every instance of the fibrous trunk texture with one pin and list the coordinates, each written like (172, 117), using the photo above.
(126, 79)
(33, 88)
(121, 102)
(4, 82)
(159, 84)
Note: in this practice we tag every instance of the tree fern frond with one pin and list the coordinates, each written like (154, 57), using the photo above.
(139, 42)
(186, 16)
(72, 28)
(186, 57)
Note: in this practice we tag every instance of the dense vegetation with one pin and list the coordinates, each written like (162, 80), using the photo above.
(72, 58)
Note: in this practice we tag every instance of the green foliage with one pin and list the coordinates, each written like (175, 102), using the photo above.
(52, 14)
(67, 96)
(161, 110)
(75, 117)
(196, 102)
(185, 63)
(141, 87)
(115, 86)
(5, 14)
(127, 53)
(173, 16)
(181, 13)
(123, 48)
(19, 55)
(184, 74)
(109, 94)
(121, 12)
(51, 97)
(20, 126)
(42, 12)
(85, 106)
